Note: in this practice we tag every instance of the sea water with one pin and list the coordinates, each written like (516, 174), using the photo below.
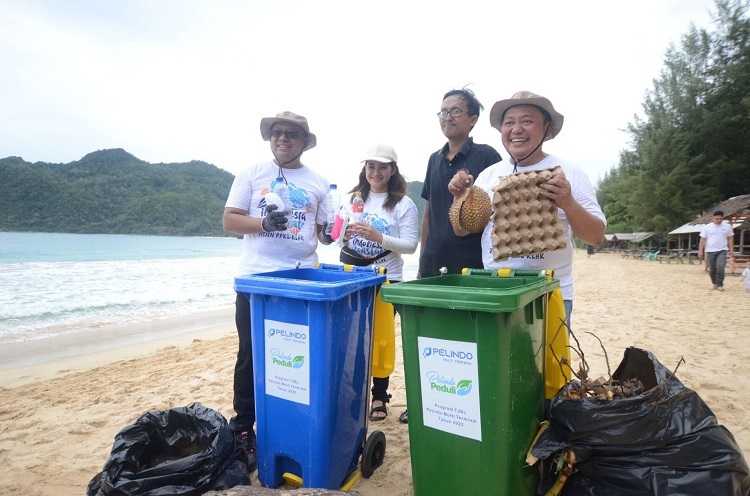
(51, 283)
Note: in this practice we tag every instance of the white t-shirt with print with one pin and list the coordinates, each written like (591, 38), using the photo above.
(263, 252)
(561, 261)
(716, 236)
(398, 227)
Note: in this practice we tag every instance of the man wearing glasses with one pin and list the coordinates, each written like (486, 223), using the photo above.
(274, 237)
(440, 247)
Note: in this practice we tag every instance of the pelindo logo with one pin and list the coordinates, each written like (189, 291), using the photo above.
(448, 385)
(444, 353)
(286, 333)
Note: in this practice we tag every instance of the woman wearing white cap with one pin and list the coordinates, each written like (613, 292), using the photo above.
(387, 228)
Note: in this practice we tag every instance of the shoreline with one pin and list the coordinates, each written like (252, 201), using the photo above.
(22, 362)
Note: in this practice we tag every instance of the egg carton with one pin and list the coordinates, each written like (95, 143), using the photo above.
(525, 221)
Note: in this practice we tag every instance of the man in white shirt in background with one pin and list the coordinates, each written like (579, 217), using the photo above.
(716, 241)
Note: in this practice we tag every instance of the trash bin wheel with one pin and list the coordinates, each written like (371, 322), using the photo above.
(373, 454)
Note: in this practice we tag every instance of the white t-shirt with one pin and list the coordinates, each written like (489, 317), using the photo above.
(561, 261)
(716, 236)
(398, 227)
(263, 252)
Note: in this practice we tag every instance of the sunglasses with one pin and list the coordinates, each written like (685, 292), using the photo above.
(292, 135)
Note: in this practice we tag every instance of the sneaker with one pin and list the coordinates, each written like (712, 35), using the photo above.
(245, 441)
(720, 288)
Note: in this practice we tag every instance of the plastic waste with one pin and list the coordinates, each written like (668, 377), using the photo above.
(178, 452)
(281, 189)
(274, 199)
(338, 225)
(331, 206)
(358, 207)
(663, 442)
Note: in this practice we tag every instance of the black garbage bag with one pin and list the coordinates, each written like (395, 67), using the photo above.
(663, 442)
(183, 451)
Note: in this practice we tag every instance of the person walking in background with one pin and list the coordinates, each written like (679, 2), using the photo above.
(385, 229)
(274, 237)
(716, 241)
(525, 122)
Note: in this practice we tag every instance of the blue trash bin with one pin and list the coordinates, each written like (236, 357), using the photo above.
(312, 339)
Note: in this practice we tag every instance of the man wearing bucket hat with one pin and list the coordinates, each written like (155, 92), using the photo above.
(526, 121)
(279, 231)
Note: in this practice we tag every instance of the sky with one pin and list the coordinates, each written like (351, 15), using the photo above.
(174, 81)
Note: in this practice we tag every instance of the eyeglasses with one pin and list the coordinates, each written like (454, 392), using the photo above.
(292, 135)
(454, 112)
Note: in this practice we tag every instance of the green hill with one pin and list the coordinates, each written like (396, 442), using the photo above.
(111, 191)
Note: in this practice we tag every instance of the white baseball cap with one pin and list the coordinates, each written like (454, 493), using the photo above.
(381, 153)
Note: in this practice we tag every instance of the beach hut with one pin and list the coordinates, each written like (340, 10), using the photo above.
(630, 241)
(684, 240)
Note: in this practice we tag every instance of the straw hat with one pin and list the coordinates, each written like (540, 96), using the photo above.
(527, 98)
(267, 123)
(470, 211)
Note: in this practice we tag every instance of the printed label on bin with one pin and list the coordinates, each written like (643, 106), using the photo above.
(450, 386)
(288, 361)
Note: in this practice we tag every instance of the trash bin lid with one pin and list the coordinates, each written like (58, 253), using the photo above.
(327, 282)
(485, 292)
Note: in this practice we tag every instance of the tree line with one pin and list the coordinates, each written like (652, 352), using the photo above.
(113, 192)
(691, 147)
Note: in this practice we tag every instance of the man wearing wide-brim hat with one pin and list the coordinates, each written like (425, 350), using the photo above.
(526, 121)
(275, 236)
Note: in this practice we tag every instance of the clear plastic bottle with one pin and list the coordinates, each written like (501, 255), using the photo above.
(282, 190)
(332, 206)
(358, 207)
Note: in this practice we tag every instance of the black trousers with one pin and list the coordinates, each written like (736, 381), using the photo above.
(380, 389)
(244, 393)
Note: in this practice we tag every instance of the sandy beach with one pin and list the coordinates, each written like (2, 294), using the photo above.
(59, 410)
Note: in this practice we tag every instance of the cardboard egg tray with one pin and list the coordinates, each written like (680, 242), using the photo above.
(525, 221)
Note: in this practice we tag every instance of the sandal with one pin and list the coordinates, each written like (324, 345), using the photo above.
(404, 417)
(376, 408)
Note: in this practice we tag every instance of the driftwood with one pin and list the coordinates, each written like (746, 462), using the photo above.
(603, 388)
(264, 491)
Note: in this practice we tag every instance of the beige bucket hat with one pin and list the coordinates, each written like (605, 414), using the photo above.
(267, 123)
(527, 98)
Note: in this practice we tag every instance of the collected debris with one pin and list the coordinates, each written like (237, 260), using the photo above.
(637, 431)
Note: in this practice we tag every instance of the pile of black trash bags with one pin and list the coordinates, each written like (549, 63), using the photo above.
(183, 451)
(664, 442)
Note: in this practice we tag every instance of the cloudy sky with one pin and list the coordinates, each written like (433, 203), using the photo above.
(173, 81)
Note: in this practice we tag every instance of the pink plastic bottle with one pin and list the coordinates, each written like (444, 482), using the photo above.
(338, 223)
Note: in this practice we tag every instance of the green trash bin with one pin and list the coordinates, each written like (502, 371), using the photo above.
(474, 362)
